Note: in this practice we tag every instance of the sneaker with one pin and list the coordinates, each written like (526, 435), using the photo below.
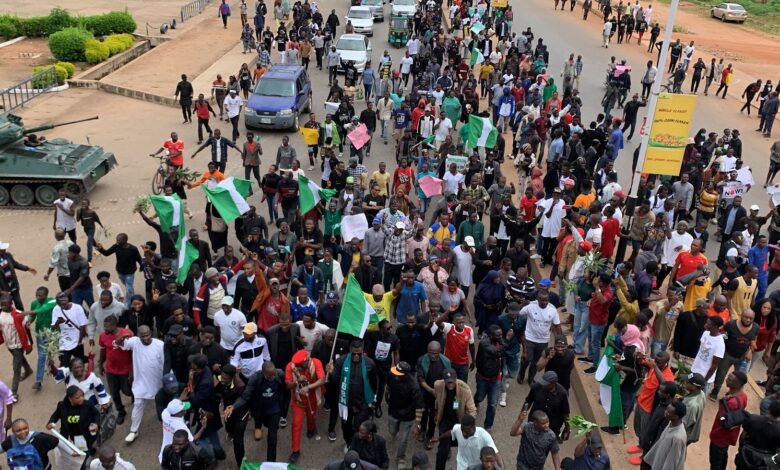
(591, 370)
(713, 396)
(120, 418)
(402, 463)
(502, 399)
(36, 386)
(585, 359)
(332, 436)
(294, 457)
(282, 422)
(220, 454)
(310, 434)
(131, 437)
(610, 430)
(311, 168)
(536, 256)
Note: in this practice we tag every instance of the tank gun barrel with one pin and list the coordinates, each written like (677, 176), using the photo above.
(52, 126)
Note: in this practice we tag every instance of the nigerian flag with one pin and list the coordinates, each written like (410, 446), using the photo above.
(609, 391)
(309, 194)
(482, 132)
(170, 211)
(245, 465)
(476, 55)
(356, 313)
(429, 140)
(188, 254)
(229, 197)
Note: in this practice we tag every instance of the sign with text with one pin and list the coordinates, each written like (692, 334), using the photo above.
(458, 160)
(733, 189)
(669, 134)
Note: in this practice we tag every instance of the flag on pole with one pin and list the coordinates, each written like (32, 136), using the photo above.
(309, 194)
(356, 312)
(188, 254)
(429, 140)
(609, 392)
(246, 465)
(229, 197)
(476, 55)
(170, 212)
(482, 132)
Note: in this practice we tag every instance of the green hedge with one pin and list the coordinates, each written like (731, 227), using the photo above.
(59, 71)
(115, 22)
(70, 68)
(96, 51)
(68, 44)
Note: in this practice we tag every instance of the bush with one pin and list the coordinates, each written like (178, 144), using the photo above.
(118, 43)
(96, 51)
(9, 26)
(69, 43)
(127, 39)
(43, 81)
(70, 68)
(114, 22)
(35, 27)
(58, 20)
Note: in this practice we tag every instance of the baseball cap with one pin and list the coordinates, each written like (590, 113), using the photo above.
(352, 460)
(169, 380)
(377, 221)
(595, 442)
(400, 224)
(557, 190)
(331, 296)
(175, 330)
(696, 379)
(250, 328)
(4, 245)
(211, 272)
(545, 282)
(300, 356)
(620, 194)
(549, 377)
(449, 375)
(270, 251)
(401, 369)
(754, 207)
(227, 300)
(470, 241)
(177, 406)
(586, 245)
(273, 280)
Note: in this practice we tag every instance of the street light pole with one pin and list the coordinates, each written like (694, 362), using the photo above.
(656, 90)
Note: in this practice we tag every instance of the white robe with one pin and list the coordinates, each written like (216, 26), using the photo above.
(147, 366)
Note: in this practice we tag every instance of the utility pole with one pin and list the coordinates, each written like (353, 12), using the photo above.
(659, 77)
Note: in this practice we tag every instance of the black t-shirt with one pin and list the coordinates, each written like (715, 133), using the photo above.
(631, 382)
(381, 349)
(562, 365)
(450, 414)
(285, 349)
(42, 442)
(763, 433)
(378, 200)
(738, 343)
(79, 268)
(414, 342)
(555, 404)
(435, 372)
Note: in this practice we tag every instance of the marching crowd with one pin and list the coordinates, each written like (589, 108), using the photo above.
(249, 333)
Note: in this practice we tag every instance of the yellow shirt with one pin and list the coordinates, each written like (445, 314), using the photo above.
(695, 292)
(382, 180)
(584, 201)
(485, 71)
(382, 308)
(742, 298)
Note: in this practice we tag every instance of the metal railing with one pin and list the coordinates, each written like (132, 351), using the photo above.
(193, 8)
(24, 91)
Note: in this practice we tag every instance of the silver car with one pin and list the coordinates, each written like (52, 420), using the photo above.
(377, 8)
(729, 12)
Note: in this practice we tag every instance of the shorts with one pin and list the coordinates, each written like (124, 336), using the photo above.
(774, 166)
(511, 365)
(312, 150)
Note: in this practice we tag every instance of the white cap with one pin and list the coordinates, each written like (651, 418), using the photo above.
(227, 300)
(177, 406)
(469, 240)
(400, 224)
(755, 207)
(4, 245)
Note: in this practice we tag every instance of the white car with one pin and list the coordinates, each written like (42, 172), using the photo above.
(354, 47)
(729, 12)
(377, 8)
(404, 7)
(362, 20)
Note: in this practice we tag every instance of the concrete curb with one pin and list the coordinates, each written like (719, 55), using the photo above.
(12, 41)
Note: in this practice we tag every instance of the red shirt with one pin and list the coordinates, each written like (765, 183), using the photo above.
(175, 151)
(599, 313)
(457, 346)
(719, 435)
(647, 392)
(519, 93)
(118, 361)
(201, 110)
(417, 114)
(403, 177)
(529, 207)
(688, 263)
(319, 372)
(609, 231)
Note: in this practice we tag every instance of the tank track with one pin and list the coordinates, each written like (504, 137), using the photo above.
(56, 183)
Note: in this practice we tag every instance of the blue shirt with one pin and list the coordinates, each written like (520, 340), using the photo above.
(368, 76)
(402, 118)
(409, 301)
(556, 150)
(588, 462)
(616, 139)
(297, 310)
(758, 257)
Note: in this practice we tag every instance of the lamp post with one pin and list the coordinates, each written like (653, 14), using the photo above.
(656, 90)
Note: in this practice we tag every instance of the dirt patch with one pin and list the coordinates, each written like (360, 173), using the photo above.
(17, 60)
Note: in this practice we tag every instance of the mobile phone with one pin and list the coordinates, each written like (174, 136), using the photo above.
(525, 407)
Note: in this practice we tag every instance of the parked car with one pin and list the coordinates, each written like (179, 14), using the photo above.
(377, 8)
(354, 47)
(282, 93)
(729, 12)
(362, 20)
(404, 7)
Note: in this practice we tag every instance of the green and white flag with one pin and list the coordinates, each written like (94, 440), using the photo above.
(170, 212)
(229, 197)
(476, 55)
(482, 132)
(609, 391)
(309, 194)
(188, 254)
(245, 465)
(356, 312)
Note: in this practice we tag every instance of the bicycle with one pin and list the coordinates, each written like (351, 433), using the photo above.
(158, 180)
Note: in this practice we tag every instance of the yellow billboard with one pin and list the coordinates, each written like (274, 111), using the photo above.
(499, 3)
(669, 133)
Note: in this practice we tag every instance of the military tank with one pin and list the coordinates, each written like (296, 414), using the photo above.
(33, 170)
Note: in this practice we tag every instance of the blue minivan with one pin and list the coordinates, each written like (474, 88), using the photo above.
(283, 92)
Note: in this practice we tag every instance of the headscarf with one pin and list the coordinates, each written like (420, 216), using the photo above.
(631, 338)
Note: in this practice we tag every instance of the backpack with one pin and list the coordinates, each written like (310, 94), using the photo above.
(23, 456)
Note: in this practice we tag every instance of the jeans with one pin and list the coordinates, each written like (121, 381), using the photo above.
(83, 295)
(234, 124)
(127, 280)
(331, 74)
(594, 346)
(769, 120)
(461, 371)
(211, 443)
(90, 243)
(271, 199)
(19, 363)
(580, 327)
(378, 262)
(368, 89)
(400, 431)
(719, 457)
(489, 389)
(40, 344)
(533, 353)
(118, 384)
(723, 369)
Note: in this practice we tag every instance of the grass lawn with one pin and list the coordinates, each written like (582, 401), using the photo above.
(761, 16)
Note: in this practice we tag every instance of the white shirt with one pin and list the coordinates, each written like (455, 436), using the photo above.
(463, 265)
(230, 327)
(709, 347)
(594, 235)
(469, 449)
(147, 366)
(727, 163)
(233, 105)
(171, 424)
(537, 329)
(414, 46)
(607, 28)
(311, 336)
(438, 95)
(119, 464)
(745, 176)
(688, 52)
(552, 225)
(445, 126)
(406, 64)
(115, 290)
(64, 220)
(453, 182)
(495, 57)
(673, 246)
(75, 318)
